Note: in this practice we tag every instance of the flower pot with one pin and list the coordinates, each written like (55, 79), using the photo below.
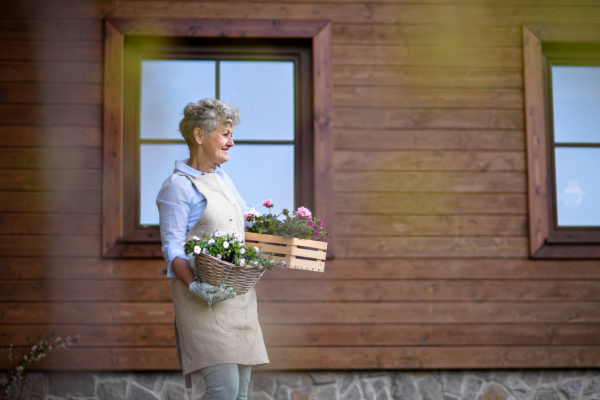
(297, 253)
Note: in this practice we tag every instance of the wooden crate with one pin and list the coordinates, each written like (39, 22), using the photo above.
(297, 253)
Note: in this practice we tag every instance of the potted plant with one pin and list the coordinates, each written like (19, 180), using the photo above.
(299, 240)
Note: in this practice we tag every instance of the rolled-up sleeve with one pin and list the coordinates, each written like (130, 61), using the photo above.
(173, 203)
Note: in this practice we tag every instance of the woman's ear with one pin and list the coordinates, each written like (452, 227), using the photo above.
(198, 136)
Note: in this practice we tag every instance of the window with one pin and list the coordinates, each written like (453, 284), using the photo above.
(282, 87)
(562, 95)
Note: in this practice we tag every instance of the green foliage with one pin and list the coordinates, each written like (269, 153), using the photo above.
(299, 225)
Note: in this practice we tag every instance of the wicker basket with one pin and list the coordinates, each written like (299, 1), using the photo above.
(297, 253)
(214, 271)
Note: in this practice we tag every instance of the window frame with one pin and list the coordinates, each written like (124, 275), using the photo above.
(122, 236)
(546, 238)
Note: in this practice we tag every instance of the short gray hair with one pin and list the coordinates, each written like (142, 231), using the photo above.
(206, 114)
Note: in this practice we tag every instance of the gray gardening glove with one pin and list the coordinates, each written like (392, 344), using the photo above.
(211, 293)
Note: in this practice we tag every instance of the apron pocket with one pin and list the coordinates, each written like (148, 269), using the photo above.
(239, 313)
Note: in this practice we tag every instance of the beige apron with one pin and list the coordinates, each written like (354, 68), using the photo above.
(230, 332)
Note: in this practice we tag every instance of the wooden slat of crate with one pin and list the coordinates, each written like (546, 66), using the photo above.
(290, 248)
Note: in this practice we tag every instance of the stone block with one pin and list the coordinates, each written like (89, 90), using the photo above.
(173, 391)
(494, 392)
(302, 393)
(321, 378)
(382, 395)
(592, 387)
(430, 389)
(472, 387)
(547, 393)
(292, 379)
(571, 388)
(347, 380)
(452, 382)
(550, 377)
(325, 392)
(531, 378)
(137, 392)
(260, 396)
(150, 380)
(450, 397)
(263, 382)
(353, 393)
(282, 393)
(112, 389)
(29, 388)
(403, 386)
(71, 384)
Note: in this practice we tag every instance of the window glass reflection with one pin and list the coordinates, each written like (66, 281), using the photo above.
(576, 104)
(262, 172)
(167, 86)
(578, 186)
(264, 93)
(157, 162)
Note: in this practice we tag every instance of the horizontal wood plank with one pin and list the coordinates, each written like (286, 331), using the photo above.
(423, 139)
(427, 34)
(407, 225)
(468, 14)
(51, 180)
(463, 57)
(384, 312)
(49, 224)
(435, 203)
(50, 158)
(421, 181)
(390, 96)
(421, 76)
(27, 268)
(316, 313)
(327, 335)
(52, 29)
(373, 160)
(68, 72)
(49, 136)
(432, 247)
(49, 245)
(56, 9)
(390, 118)
(20, 50)
(50, 202)
(50, 93)
(311, 291)
(63, 115)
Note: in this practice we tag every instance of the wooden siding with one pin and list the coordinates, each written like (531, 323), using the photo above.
(430, 196)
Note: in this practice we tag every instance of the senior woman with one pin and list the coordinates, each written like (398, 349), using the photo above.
(217, 331)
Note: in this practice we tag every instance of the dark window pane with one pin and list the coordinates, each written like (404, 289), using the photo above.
(578, 186)
(157, 162)
(262, 172)
(167, 86)
(264, 93)
(576, 104)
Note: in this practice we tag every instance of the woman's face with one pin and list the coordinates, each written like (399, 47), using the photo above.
(216, 145)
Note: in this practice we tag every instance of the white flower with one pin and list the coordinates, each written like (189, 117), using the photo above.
(242, 262)
(283, 264)
(211, 241)
(257, 250)
(197, 249)
(25, 358)
(238, 237)
(225, 245)
(255, 262)
(34, 348)
(204, 250)
(219, 256)
(196, 238)
(20, 368)
(242, 251)
(218, 234)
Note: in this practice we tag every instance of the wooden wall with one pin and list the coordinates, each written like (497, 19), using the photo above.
(430, 196)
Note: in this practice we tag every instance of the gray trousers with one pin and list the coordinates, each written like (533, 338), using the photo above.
(226, 382)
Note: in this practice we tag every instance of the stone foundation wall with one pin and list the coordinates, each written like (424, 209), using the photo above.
(339, 385)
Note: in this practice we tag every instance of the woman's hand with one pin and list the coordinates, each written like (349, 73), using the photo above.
(211, 293)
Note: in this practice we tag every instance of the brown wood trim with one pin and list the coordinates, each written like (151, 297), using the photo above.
(116, 243)
(545, 240)
(219, 28)
(535, 126)
(112, 196)
(323, 138)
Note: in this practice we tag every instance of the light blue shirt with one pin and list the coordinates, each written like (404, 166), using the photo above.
(180, 206)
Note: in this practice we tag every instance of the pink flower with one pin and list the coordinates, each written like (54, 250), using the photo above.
(268, 203)
(303, 212)
(249, 216)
